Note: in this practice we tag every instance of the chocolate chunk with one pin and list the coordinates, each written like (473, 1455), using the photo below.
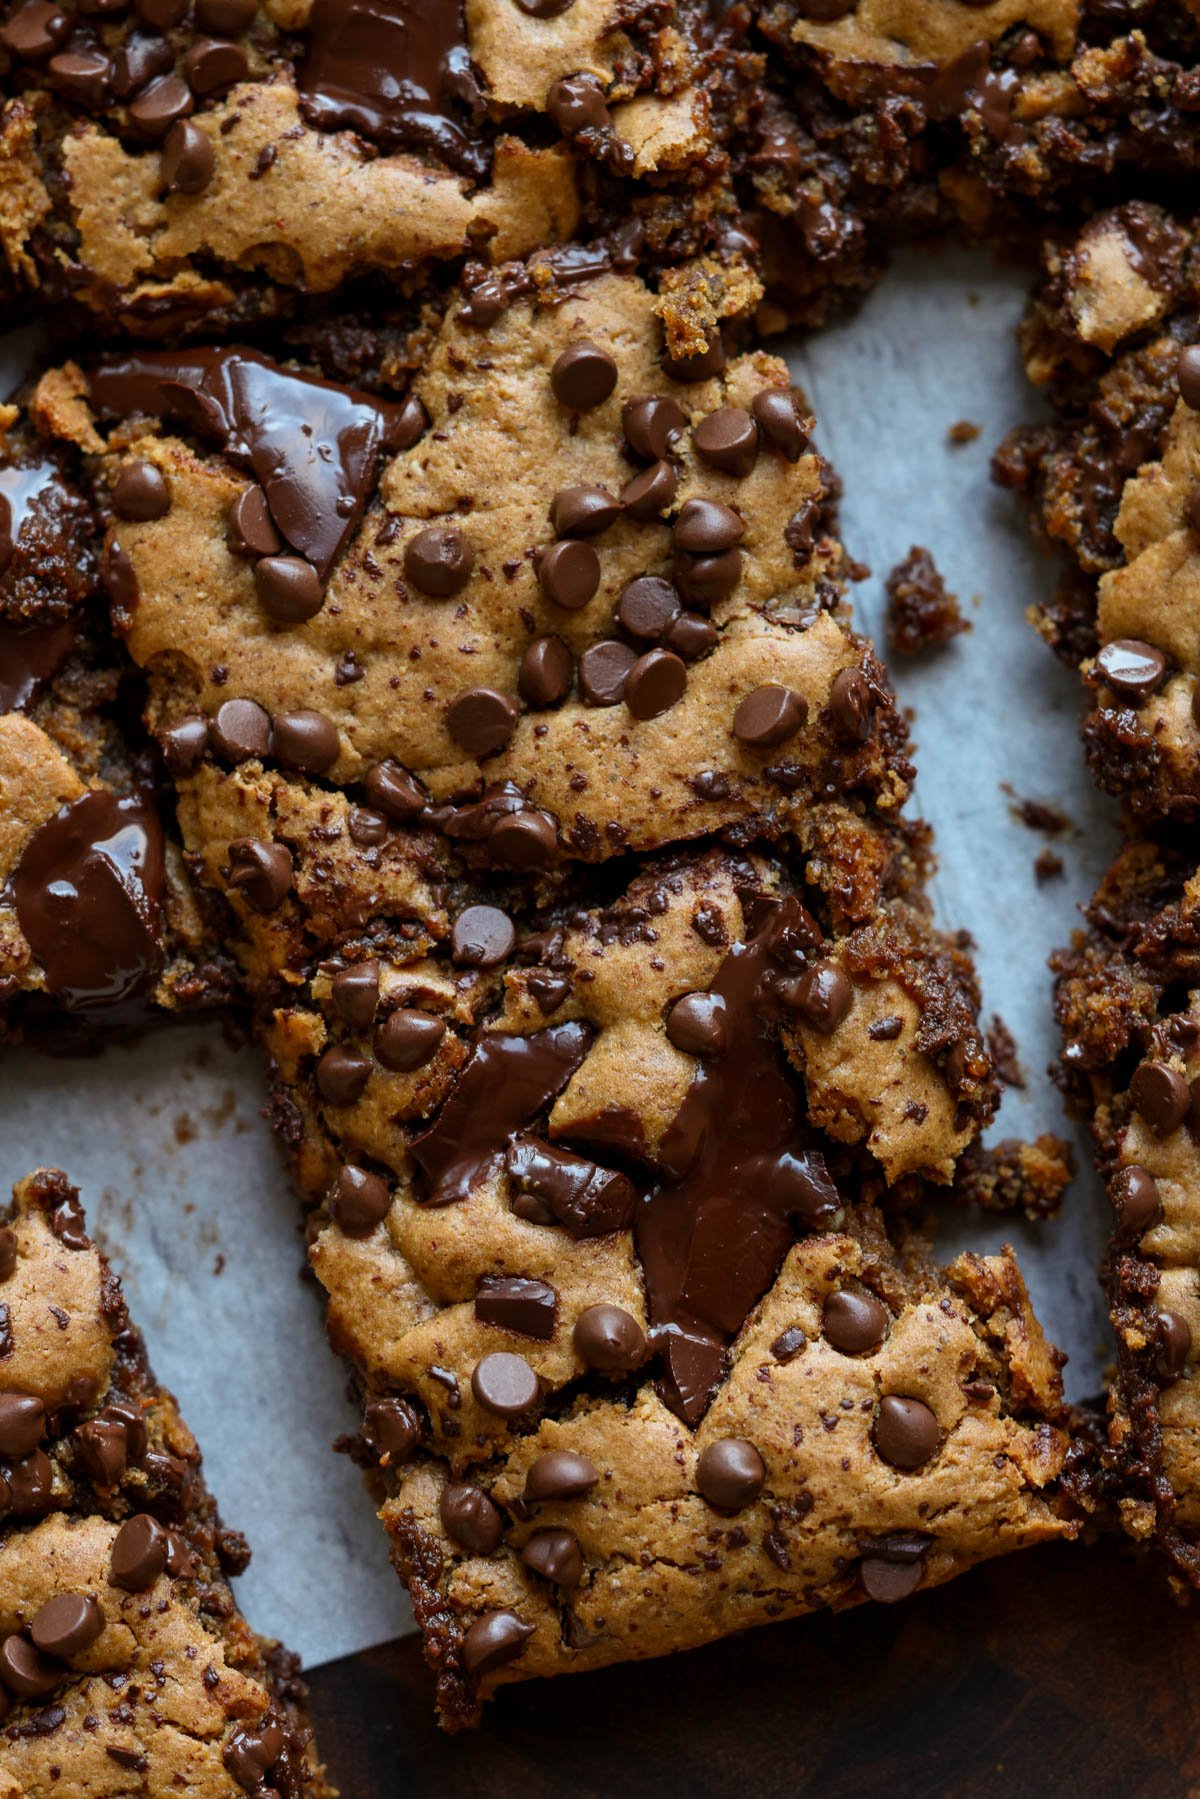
(1133, 669)
(398, 795)
(366, 829)
(504, 1384)
(576, 103)
(67, 1624)
(603, 670)
(407, 1040)
(822, 995)
(609, 1340)
(648, 607)
(85, 76)
(358, 1200)
(650, 493)
(342, 1075)
(261, 871)
(588, 1200)
(652, 425)
(1189, 376)
(355, 994)
(728, 440)
(102, 1450)
(1174, 1338)
(583, 376)
(730, 1474)
(556, 1556)
(1161, 1097)
(141, 57)
(497, 1637)
(289, 589)
(691, 636)
(22, 1424)
(31, 1486)
(25, 1671)
(706, 527)
(140, 492)
(139, 1553)
(305, 740)
(1136, 1201)
(696, 1024)
(559, 1474)
(654, 684)
(789, 1344)
(481, 721)
(35, 30)
(700, 365)
(183, 745)
(392, 1427)
(211, 65)
(224, 18)
(769, 715)
(569, 573)
(851, 706)
(704, 580)
(512, 1303)
(251, 528)
(526, 839)
(887, 1581)
(906, 1432)
(469, 1518)
(240, 729)
(855, 1323)
(781, 421)
(583, 510)
(253, 1752)
(158, 106)
(547, 670)
(481, 937)
(163, 15)
(438, 561)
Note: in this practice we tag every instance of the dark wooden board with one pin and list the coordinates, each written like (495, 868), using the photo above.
(1061, 1672)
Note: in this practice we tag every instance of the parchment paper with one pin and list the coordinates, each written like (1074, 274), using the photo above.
(178, 1171)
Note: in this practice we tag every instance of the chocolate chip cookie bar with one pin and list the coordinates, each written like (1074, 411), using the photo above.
(171, 164)
(125, 1666)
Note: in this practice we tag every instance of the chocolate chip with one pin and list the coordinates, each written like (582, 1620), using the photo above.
(700, 365)
(1189, 376)
(252, 1753)
(262, 871)
(730, 1474)
(305, 740)
(559, 1474)
(163, 15)
(354, 993)
(1136, 1200)
(358, 1201)
(609, 1340)
(576, 103)
(31, 1485)
(67, 1624)
(398, 795)
(225, 18)
(704, 580)
(85, 76)
(789, 1344)
(648, 607)
(706, 527)
(781, 421)
(511, 1302)
(1161, 1097)
(556, 1556)
(583, 376)
(35, 30)
(251, 529)
(407, 1040)
(342, 1075)
(25, 1671)
(651, 426)
(481, 937)
(141, 57)
(140, 493)
(851, 706)
(497, 1637)
(697, 1024)
(649, 494)
(546, 670)
(158, 106)
(481, 721)
(469, 1518)
(583, 510)
(769, 715)
(366, 829)
(240, 729)
(603, 670)
(187, 165)
(887, 1581)
(438, 561)
(1133, 669)
(1174, 1338)
(527, 839)
(728, 440)
(569, 573)
(654, 684)
(855, 1323)
(211, 65)
(183, 745)
(139, 1553)
(289, 589)
(102, 1450)
(905, 1432)
(691, 636)
(392, 1427)
(22, 1424)
(504, 1384)
(822, 995)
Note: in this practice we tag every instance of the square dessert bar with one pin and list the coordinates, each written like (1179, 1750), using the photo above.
(125, 1666)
